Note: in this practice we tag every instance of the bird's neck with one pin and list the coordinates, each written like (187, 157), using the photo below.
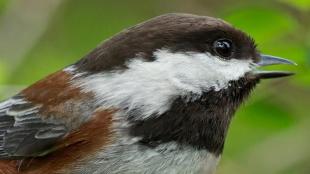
(201, 123)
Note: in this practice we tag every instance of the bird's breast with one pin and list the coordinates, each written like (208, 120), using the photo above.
(169, 158)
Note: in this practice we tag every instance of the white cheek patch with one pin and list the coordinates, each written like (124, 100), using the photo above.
(151, 87)
(201, 71)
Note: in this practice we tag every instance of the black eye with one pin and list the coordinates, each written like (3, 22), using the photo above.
(223, 48)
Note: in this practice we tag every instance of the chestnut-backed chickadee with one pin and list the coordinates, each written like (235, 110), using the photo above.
(156, 98)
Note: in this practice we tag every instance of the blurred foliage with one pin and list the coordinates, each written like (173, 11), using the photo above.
(300, 4)
(2, 4)
(254, 20)
(277, 112)
(2, 73)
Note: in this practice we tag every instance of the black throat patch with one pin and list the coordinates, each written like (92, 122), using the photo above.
(202, 123)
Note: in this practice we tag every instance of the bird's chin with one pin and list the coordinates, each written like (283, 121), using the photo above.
(266, 60)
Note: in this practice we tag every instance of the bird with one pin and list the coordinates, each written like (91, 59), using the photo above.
(156, 98)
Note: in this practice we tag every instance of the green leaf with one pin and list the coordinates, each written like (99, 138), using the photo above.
(263, 24)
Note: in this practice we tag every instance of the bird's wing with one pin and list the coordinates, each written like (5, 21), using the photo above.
(33, 121)
(23, 133)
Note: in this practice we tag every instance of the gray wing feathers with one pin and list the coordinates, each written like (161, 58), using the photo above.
(22, 131)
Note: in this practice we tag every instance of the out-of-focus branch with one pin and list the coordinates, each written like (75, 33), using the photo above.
(274, 155)
(292, 147)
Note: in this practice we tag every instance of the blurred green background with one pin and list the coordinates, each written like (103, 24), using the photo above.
(270, 133)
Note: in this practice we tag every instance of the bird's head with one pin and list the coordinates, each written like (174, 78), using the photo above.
(176, 55)
(178, 77)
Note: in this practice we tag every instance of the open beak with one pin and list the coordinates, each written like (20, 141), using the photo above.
(272, 60)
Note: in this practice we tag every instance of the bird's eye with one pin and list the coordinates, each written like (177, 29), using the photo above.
(223, 48)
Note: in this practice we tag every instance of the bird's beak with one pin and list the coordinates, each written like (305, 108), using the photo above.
(272, 60)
